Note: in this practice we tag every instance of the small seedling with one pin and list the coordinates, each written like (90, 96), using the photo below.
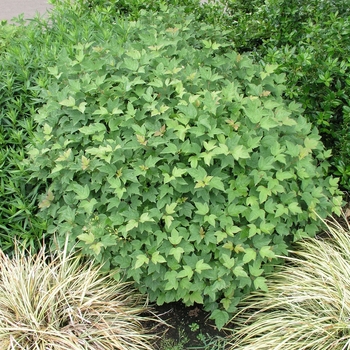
(194, 326)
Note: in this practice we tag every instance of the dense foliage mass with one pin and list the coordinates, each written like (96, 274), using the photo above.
(164, 148)
(173, 157)
(307, 40)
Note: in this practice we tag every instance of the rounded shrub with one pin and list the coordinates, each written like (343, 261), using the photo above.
(169, 155)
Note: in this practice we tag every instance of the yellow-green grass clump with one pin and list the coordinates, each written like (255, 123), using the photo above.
(308, 302)
(62, 302)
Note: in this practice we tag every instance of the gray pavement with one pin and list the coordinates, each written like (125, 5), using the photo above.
(13, 8)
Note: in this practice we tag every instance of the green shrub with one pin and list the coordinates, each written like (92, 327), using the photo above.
(309, 41)
(20, 64)
(26, 50)
(307, 306)
(171, 156)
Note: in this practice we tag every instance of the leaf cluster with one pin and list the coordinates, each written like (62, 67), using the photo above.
(167, 154)
(309, 41)
(26, 50)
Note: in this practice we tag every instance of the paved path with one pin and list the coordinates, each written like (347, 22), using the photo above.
(13, 8)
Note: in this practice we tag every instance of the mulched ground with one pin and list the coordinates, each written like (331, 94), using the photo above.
(188, 326)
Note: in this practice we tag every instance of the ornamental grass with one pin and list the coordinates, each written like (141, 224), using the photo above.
(308, 302)
(62, 302)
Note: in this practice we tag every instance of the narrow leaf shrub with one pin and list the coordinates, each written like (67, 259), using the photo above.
(171, 156)
(61, 301)
(307, 305)
(18, 102)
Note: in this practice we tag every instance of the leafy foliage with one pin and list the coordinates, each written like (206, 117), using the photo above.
(171, 156)
(309, 41)
(26, 50)
(19, 100)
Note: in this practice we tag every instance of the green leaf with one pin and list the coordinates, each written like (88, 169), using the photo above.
(47, 129)
(168, 219)
(266, 252)
(88, 238)
(253, 110)
(96, 248)
(170, 208)
(171, 277)
(239, 272)
(283, 175)
(201, 266)
(82, 192)
(196, 297)
(249, 255)
(88, 205)
(220, 318)
(260, 283)
(70, 102)
(220, 236)
(47, 200)
(255, 269)
(101, 111)
(211, 219)
(311, 143)
(81, 107)
(202, 208)
(131, 225)
(171, 148)
(157, 258)
(141, 259)
(177, 253)
(178, 172)
(175, 237)
(267, 227)
(264, 193)
(186, 272)
(239, 152)
(227, 261)
(93, 129)
(235, 210)
(217, 183)
(281, 210)
(294, 208)
(189, 111)
(67, 214)
(268, 123)
(145, 217)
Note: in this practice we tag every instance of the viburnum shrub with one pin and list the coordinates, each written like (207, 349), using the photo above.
(171, 156)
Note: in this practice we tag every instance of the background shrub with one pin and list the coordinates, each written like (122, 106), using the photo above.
(168, 155)
(22, 75)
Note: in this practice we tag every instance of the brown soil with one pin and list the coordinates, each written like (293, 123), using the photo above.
(190, 327)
